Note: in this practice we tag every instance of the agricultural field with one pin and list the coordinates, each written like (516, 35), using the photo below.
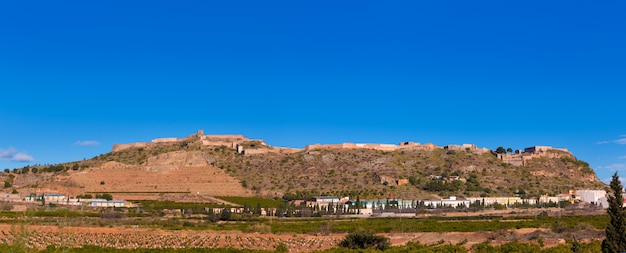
(109, 230)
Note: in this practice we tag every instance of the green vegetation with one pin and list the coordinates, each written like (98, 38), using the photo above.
(252, 201)
(501, 150)
(441, 247)
(570, 246)
(154, 206)
(365, 239)
(106, 196)
(306, 174)
(616, 229)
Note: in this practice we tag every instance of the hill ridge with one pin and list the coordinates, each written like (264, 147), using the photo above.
(200, 166)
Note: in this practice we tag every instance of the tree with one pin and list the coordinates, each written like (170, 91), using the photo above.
(106, 196)
(509, 150)
(226, 214)
(212, 216)
(615, 240)
(500, 150)
(413, 180)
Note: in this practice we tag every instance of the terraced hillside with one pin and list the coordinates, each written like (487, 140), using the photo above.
(192, 171)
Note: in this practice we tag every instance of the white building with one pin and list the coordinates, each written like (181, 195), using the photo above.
(110, 203)
(597, 197)
(450, 202)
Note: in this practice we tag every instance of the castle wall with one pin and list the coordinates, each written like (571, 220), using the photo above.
(164, 140)
(513, 159)
(218, 143)
(530, 153)
(429, 146)
(536, 149)
(224, 138)
(257, 151)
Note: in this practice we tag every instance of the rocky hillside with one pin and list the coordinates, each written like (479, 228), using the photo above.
(193, 171)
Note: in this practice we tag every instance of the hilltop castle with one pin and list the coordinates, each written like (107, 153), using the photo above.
(246, 146)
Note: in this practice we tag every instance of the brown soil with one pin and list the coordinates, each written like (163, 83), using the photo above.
(181, 176)
(42, 236)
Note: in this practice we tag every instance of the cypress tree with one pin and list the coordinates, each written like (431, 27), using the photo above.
(615, 240)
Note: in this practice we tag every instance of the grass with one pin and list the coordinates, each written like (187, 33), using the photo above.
(252, 201)
(158, 206)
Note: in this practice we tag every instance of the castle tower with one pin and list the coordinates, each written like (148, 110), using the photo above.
(200, 132)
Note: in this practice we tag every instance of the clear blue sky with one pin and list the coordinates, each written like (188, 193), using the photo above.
(78, 76)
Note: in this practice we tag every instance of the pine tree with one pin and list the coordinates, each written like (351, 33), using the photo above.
(615, 240)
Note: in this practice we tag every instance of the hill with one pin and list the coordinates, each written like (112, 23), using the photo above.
(200, 166)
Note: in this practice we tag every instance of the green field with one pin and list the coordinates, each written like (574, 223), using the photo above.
(252, 201)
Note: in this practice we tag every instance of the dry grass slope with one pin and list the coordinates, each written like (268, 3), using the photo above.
(200, 171)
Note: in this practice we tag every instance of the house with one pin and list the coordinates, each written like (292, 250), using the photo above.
(53, 197)
(110, 203)
(33, 198)
(450, 202)
(325, 199)
(508, 201)
(47, 197)
(597, 197)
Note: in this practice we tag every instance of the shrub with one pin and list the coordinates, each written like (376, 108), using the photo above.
(281, 248)
(365, 239)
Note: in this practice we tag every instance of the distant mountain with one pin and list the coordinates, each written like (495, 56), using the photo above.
(200, 166)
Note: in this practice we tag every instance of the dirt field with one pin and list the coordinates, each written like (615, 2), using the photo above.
(173, 173)
(41, 236)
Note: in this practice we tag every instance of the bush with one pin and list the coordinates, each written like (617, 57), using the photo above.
(281, 248)
(106, 196)
(85, 196)
(365, 239)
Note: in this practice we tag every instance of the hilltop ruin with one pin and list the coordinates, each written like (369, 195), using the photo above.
(246, 146)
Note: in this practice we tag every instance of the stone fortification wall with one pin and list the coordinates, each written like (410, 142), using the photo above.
(417, 146)
(513, 159)
(257, 151)
(532, 153)
(382, 147)
(464, 147)
(219, 143)
(288, 150)
(275, 150)
(224, 138)
(166, 140)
